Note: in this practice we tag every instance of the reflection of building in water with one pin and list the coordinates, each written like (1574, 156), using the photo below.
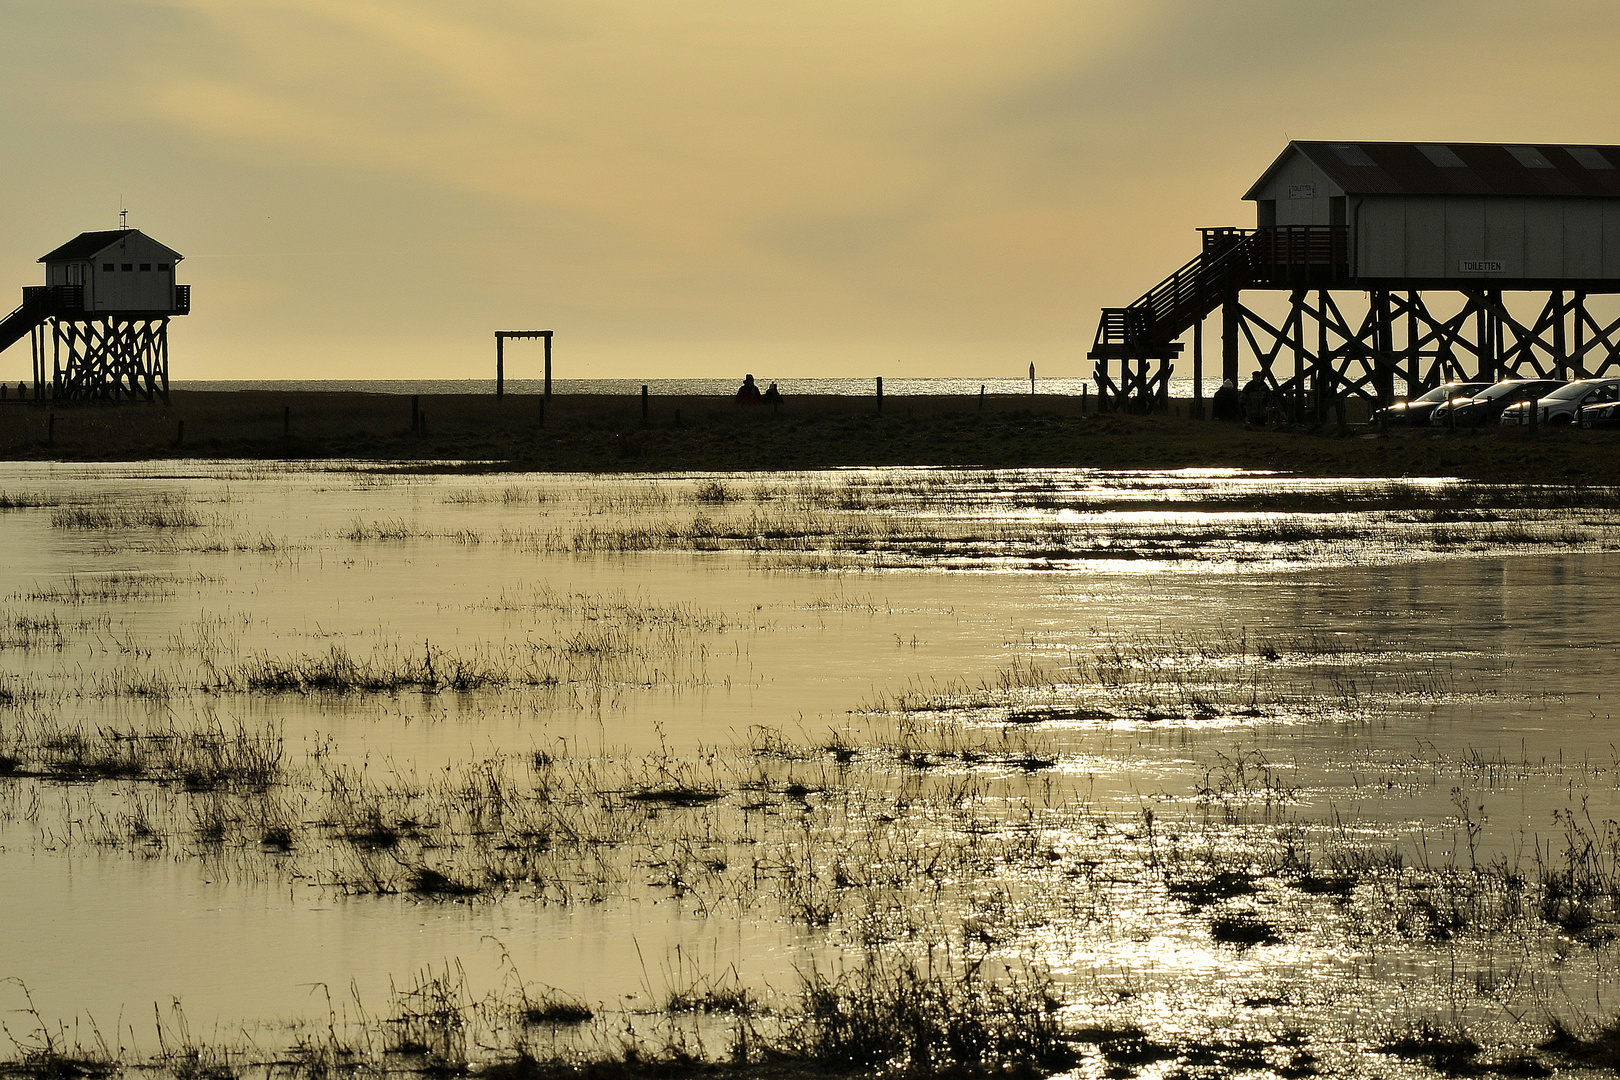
(1425, 238)
(107, 299)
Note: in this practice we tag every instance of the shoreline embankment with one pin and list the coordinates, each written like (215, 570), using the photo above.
(616, 433)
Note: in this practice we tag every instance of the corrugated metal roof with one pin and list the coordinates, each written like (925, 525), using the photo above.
(1522, 169)
(89, 244)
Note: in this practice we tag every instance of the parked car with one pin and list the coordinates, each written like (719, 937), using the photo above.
(1603, 415)
(1559, 408)
(1484, 407)
(1418, 409)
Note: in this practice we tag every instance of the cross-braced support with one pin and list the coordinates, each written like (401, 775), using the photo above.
(1400, 338)
(109, 358)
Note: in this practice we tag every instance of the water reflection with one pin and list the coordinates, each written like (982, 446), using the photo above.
(1181, 747)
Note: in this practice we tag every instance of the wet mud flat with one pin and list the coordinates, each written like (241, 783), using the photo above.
(609, 434)
(335, 769)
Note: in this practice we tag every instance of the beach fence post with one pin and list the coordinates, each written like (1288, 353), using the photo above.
(981, 397)
(416, 411)
(643, 404)
(1032, 380)
(880, 394)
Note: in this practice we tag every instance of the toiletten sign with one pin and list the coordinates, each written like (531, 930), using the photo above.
(1302, 191)
(1479, 266)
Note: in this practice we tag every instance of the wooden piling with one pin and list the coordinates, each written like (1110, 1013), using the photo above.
(880, 394)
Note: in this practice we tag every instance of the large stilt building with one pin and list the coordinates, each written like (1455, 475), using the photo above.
(1394, 259)
(99, 326)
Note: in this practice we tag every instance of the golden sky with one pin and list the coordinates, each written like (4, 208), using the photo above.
(368, 188)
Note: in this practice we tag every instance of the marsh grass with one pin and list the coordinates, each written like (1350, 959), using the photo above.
(932, 1016)
(206, 756)
(161, 510)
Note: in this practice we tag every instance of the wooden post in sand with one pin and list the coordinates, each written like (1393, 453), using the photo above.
(880, 394)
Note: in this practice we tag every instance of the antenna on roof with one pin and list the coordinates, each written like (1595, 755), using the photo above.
(123, 215)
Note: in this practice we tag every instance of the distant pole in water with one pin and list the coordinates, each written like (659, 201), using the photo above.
(1032, 378)
(981, 397)
(500, 366)
(1085, 396)
(880, 393)
(548, 363)
(643, 404)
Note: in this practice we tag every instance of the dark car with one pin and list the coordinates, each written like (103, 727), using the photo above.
(1486, 406)
(1606, 415)
(1418, 409)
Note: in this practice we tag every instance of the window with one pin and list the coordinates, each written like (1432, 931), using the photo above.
(106, 266)
(1443, 156)
(129, 266)
(1590, 157)
(146, 266)
(1529, 157)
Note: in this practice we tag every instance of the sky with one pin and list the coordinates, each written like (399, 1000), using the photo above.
(369, 188)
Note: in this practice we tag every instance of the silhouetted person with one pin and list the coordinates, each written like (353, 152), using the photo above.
(1224, 405)
(748, 392)
(772, 395)
(1255, 399)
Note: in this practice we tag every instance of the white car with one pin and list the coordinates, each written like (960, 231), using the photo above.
(1559, 408)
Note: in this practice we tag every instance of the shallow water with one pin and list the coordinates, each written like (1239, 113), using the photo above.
(1009, 713)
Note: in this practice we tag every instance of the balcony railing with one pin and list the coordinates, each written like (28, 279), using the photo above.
(182, 299)
(54, 297)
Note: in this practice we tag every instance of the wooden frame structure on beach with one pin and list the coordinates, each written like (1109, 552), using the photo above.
(501, 337)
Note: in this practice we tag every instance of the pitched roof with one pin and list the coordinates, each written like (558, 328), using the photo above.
(1388, 168)
(89, 244)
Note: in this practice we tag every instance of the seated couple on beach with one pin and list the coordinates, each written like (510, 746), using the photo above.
(748, 393)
